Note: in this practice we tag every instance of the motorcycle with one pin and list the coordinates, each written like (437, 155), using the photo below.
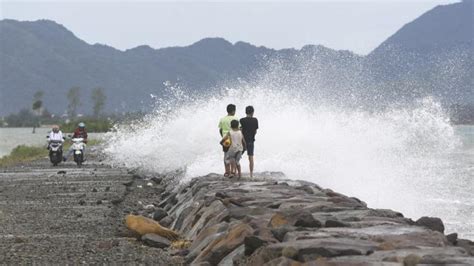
(78, 146)
(55, 151)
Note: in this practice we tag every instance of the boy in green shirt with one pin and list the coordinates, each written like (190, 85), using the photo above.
(224, 128)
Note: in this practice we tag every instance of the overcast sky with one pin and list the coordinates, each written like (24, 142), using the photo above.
(353, 25)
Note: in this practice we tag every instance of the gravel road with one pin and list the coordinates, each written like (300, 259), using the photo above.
(68, 215)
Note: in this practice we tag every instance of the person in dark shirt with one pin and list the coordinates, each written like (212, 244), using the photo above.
(249, 126)
(80, 132)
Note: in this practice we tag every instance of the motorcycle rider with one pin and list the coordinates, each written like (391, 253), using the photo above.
(80, 132)
(55, 135)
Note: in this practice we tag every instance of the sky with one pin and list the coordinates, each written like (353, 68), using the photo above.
(358, 26)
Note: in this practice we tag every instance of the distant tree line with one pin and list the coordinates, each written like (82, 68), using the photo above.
(38, 114)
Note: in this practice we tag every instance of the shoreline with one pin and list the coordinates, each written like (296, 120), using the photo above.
(268, 220)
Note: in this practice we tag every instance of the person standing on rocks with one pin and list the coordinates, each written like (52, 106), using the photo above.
(249, 125)
(224, 128)
(236, 148)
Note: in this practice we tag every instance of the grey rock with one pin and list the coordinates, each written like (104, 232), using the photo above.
(289, 252)
(159, 214)
(180, 252)
(167, 221)
(467, 245)
(282, 261)
(233, 257)
(280, 232)
(411, 260)
(275, 205)
(154, 240)
(306, 219)
(306, 188)
(452, 238)
(311, 249)
(433, 223)
(157, 180)
(221, 195)
(335, 223)
(252, 243)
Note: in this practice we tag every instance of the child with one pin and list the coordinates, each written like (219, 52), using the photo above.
(236, 148)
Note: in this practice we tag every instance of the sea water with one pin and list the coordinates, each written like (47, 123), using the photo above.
(14, 136)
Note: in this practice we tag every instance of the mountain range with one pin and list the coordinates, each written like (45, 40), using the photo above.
(432, 55)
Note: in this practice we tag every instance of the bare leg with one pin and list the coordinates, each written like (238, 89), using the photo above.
(232, 167)
(227, 168)
(238, 170)
(251, 165)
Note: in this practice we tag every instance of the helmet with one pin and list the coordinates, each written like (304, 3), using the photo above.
(55, 127)
(81, 125)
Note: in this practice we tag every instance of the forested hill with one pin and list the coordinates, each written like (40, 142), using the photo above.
(432, 55)
(45, 55)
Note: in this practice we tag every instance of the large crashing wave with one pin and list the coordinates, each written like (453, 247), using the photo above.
(376, 155)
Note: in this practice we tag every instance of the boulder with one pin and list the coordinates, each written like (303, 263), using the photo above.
(222, 246)
(233, 257)
(311, 249)
(306, 219)
(204, 238)
(289, 252)
(306, 188)
(157, 179)
(159, 214)
(452, 238)
(411, 260)
(282, 261)
(252, 243)
(468, 245)
(167, 221)
(156, 241)
(433, 223)
(278, 219)
(221, 195)
(274, 205)
(335, 223)
(280, 232)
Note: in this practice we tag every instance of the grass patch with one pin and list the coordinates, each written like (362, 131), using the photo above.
(23, 153)
(92, 125)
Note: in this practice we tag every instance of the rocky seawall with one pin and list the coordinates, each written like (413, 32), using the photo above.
(70, 215)
(273, 221)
